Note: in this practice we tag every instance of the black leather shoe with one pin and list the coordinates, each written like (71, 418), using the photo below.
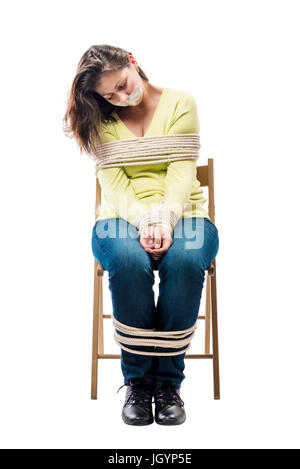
(169, 408)
(137, 409)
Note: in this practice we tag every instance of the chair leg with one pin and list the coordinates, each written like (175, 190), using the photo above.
(215, 334)
(100, 323)
(207, 314)
(95, 335)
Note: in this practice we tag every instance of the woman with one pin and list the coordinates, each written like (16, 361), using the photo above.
(112, 101)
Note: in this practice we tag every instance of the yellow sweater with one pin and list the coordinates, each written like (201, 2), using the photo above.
(128, 191)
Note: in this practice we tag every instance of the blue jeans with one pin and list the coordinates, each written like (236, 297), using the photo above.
(115, 244)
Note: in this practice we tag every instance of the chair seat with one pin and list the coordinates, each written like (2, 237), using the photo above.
(100, 269)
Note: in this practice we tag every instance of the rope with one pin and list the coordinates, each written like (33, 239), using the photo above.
(161, 214)
(135, 331)
(147, 150)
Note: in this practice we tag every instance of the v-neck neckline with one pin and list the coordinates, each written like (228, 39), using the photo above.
(152, 120)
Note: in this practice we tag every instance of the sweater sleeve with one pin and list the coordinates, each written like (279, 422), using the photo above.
(181, 174)
(118, 189)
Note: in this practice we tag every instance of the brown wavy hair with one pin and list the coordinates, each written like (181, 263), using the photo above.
(87, 109)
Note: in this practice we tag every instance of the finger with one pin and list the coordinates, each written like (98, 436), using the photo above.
(150, 233)
(147, 244)
(151, 236)
(157, 237)
(144, 243)
(167, 242)
(146, 233)
(146, 238)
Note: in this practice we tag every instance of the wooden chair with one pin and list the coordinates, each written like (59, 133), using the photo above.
(205, 175)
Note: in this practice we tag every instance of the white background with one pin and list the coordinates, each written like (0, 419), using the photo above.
(240, 60)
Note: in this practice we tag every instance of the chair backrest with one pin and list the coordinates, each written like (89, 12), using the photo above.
(205, 175)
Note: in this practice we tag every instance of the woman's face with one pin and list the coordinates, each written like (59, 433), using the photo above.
(123, 87)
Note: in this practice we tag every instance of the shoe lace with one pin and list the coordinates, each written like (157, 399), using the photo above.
(137, 393)
(167, 395)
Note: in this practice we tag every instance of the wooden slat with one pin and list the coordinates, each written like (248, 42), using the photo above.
(110, 355)
(202, 175)
(101, 270)
(109, 316)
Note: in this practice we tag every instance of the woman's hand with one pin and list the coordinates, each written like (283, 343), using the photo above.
(156, 239)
